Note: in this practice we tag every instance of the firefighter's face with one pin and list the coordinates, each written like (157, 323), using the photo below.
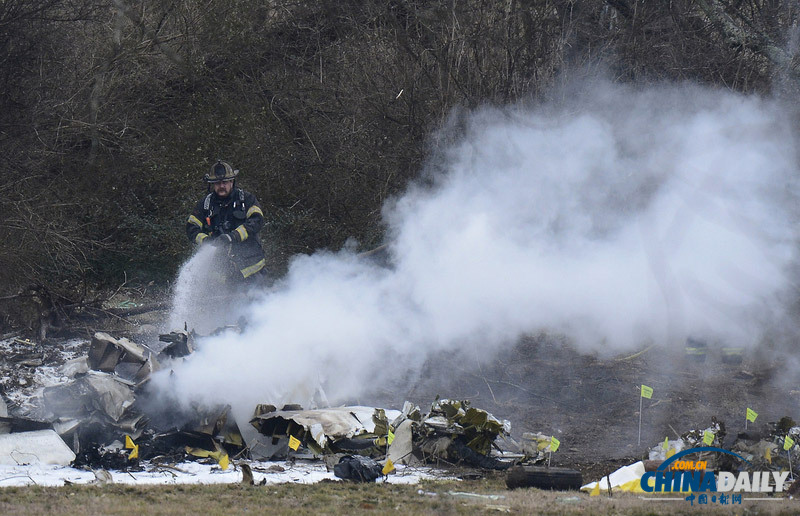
(223, 188)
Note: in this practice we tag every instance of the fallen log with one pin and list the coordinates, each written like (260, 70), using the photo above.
(134, 310)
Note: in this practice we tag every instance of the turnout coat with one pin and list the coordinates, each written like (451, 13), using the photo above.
(238, 215)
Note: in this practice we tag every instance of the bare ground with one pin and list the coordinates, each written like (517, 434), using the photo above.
(468, 497)
(592, 404)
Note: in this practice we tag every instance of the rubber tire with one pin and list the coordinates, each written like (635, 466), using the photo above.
(561, 479)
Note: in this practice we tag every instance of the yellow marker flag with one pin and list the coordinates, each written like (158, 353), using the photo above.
(666, 444)
(647, 392)
(390, 438)
(768, 454)
(129, 442)
(670, 453)
(134, 453)
(388, 467)
(788, 443)
(708, 437)
(596, 489)
(751, 415)
(220, 456)
(554, 444)
(294, 443)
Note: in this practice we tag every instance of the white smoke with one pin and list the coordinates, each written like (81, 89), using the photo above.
(618, 217)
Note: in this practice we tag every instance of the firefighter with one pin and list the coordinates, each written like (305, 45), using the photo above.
(229, 218)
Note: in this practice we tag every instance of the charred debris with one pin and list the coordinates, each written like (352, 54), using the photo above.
(90, 405)
(103, 417)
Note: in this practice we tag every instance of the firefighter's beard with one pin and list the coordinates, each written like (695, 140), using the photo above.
(223, 191)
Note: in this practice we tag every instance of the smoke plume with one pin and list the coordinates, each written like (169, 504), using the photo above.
(614, 215)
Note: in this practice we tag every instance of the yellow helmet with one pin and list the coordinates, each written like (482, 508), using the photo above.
(220, 171)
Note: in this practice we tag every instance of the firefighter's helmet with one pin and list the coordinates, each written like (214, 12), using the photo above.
(220, 171)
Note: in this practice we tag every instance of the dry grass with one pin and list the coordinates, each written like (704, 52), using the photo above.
(345, 498)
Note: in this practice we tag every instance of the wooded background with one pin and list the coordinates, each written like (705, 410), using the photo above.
(111, 111)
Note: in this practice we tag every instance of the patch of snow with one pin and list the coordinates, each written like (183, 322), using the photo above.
(300, 472)
(24, 386)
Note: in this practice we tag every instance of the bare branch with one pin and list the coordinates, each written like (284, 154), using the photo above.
(749, 38)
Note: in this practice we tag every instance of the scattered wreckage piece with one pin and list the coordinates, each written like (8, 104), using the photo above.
(180, 343)
(74, 367)
(97, 408)
(4, 426)
(358, 468)
(324, 431)
(220, 430)
(627, 478)
(94, 409)
(401, 449)
(478, 428)
(692, 439)
(763, 447)
(460, 450)
(695, 437)
(204, 432)
(562, 479)
(218, 454)
(107, 353)
(10, 425)
(534, 447)
(453, 432)
(666, 449)
(247, 475)
(114, 457)
(28, 441)
(35, 447)
(94, 391)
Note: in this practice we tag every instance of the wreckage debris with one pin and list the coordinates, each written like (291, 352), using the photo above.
(94, 410)
(101, 406)
(764, 447)
(325, 431)
(626, 478)
(113, 457)
(763, 450)
(35, 447)
(459, 448)
(180, 343)
(544, 478)
(358, 468)
(452, 432)
(18, 424)
(105, 352)
(95, 407)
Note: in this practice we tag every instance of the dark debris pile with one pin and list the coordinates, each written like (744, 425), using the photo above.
(99, 402)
